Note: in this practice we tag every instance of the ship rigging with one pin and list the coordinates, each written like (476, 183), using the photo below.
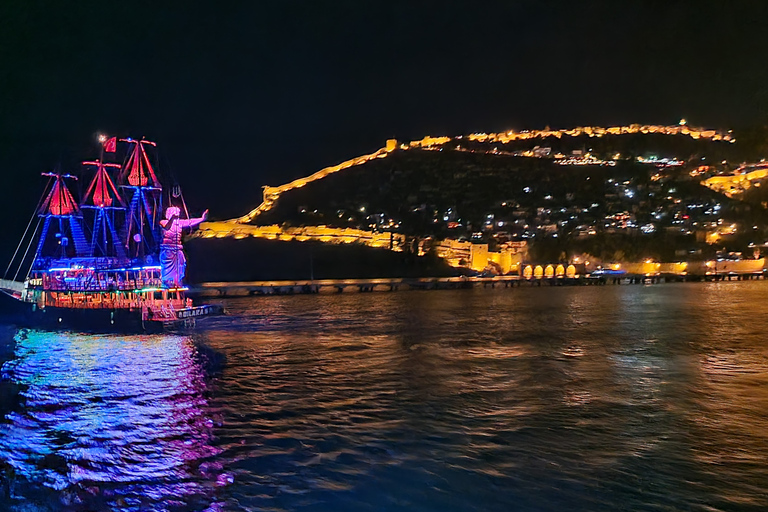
(112, 261)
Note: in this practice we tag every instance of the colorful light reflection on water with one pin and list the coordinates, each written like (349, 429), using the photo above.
(537, 399)
(108, 422)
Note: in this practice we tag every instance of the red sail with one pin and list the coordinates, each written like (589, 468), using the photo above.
(139, 170)
(59, 201)
(102, 192)
(136, 177)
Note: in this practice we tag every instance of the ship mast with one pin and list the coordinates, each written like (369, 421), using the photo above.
(141, 234)
(103, 198)
(60, 209)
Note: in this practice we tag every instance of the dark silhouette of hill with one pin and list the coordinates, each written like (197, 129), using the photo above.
(257, 260)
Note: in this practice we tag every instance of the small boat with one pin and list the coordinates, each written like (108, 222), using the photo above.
(112, 261)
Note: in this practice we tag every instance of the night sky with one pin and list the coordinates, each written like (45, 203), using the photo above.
(242, 94)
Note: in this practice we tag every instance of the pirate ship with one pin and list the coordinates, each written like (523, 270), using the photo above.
(112, 261)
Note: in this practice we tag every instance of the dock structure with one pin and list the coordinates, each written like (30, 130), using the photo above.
(289, 287)
(284, 287)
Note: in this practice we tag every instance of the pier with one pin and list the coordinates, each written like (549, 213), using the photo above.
(289, 287)
(285, 287)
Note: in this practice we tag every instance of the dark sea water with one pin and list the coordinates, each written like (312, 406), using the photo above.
(585, 398)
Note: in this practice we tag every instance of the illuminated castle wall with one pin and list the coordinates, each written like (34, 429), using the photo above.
(741, 180)
(597, 131)
(477, 257)
(384, 240)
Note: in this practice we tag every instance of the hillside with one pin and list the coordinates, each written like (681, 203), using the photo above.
(617, 197)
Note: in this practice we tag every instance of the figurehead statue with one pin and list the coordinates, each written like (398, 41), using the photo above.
(172, 258)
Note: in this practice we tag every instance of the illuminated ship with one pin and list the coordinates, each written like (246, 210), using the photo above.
(112, 261)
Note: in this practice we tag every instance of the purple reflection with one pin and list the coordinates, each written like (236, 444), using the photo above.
(117, 421)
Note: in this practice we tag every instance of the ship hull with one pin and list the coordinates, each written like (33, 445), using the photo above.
(94, 320)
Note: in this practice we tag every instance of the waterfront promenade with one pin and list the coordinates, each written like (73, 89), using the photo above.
(288, 287)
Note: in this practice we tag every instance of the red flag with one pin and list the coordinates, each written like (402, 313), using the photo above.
(110, 145)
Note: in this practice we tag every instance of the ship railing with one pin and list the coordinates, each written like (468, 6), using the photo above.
(91, 301)
(160, 312)
(93, 305)
(96, 263)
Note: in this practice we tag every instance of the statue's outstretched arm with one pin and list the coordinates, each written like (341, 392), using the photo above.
(191, 223)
